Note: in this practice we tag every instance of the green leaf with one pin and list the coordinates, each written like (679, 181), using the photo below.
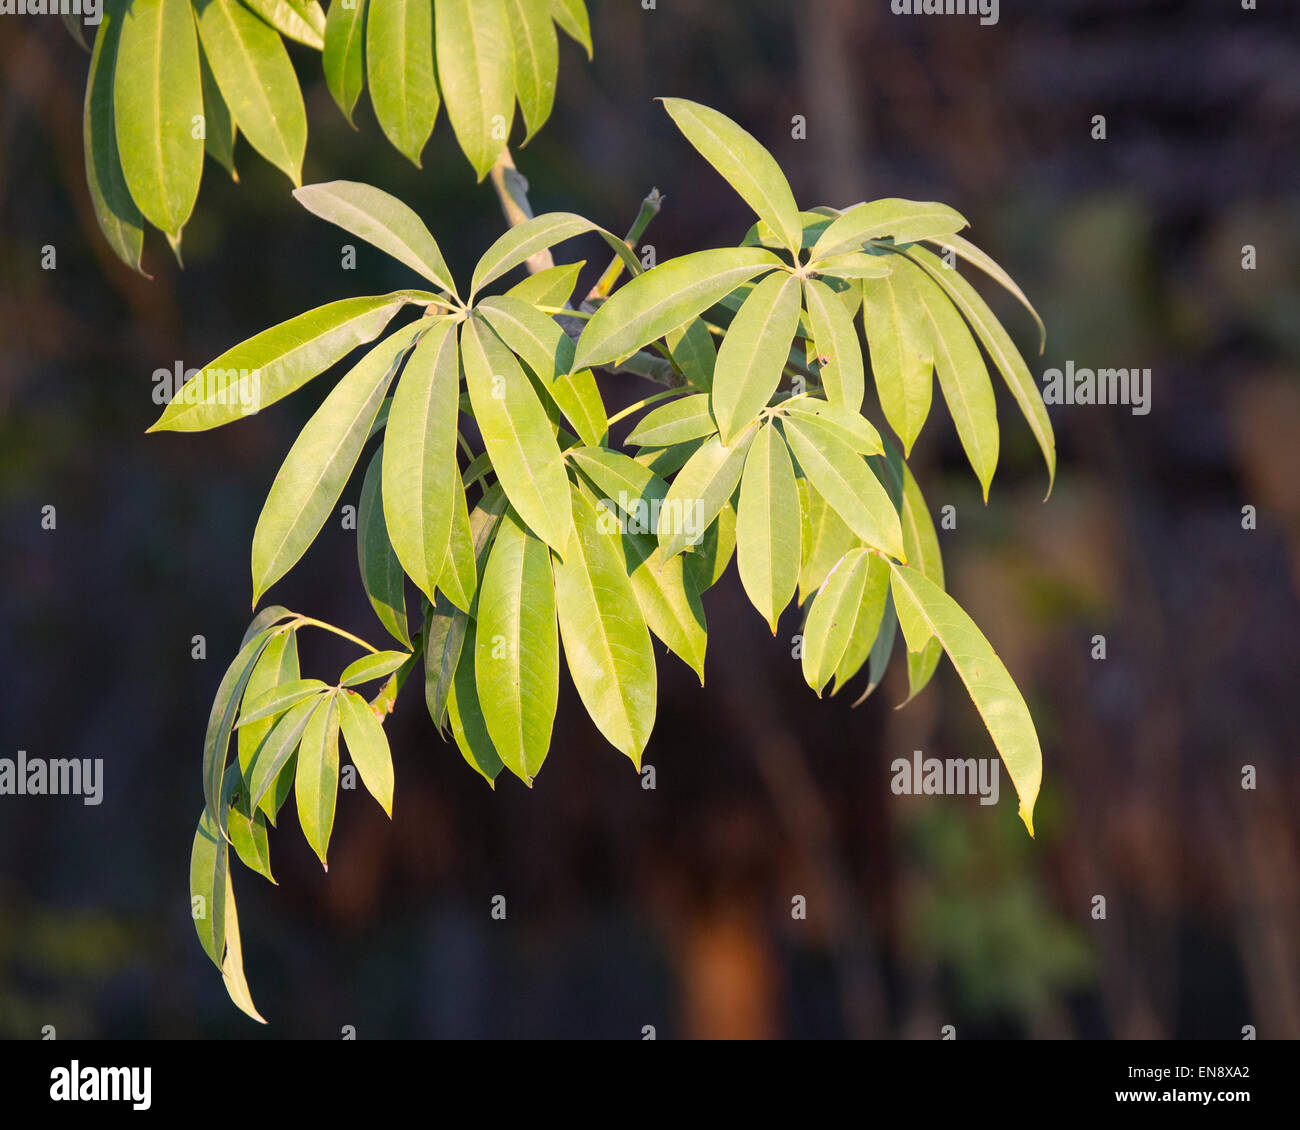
(1001, 348)
(669, 599)
(706, 563)
(317, 780)
(368, 747)
(458, 579)
(901, 352)
(278, 664)
(517, 656)
(866, 621)
(444, 635)
(829, 628)
(606, 642)
(881, 650)
(232, 968)
(537, 60)
(571, 15)
(904, 220)
(522, 241)
(399, 65)
(985, 263)
(115, 211)
(466, 715)
(546, 349)
(622, 482)
(278, 699)
(269, 366)
(552, 286)
(767, 526)
(157, 102)
(517, 434)
(825, 540)
(249, 839)
(693, 352)
(381, 571)
(371, 667)
(381, 220)
(269, 616)
(749, 168)
(700, 490)
(686, 418)
(279, 745)
(476, 71)
(846, 424)
(842, 374)
(209, 863)
(753, 353)
(345, 54)
(964, 379)
(855, 265)
(421, 478)
(312, 477)
(296, 19)
(664, 298)
(219, 130)
(258, 82)
(925, 610)
(221, 722)
(842, 477)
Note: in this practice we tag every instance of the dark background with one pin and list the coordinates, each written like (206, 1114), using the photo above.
(672, 908)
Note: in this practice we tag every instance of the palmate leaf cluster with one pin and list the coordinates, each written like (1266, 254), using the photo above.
(495, 487)
(172, 79)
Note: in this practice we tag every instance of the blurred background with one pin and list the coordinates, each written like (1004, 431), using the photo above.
(672, 907)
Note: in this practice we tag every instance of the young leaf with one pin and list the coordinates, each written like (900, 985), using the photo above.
(421, 478)
(270, 365)
(279, 745)
(368, 747)
(606, 642)
(901, 353)
(399, 62)
(476, 64)
(209, 862)
(313, 474)
(118, 217)
(749, 168)
(841, 371)
(664, 298)
(1001, 348)
(258, 82)
(344, 60)
(669, 599)
(371, 667)
(767, 526)
(522, 241)
(517, 657)
(317, 781)
(905, 220)
(831, 618)
(517, 434)
(444, 635)
(841, 476)
(537, 60)
(300, 20)
(925, 610)
(753, 354)
(157, 99)
(686, 418)
(380, 219)
(700, 490)
(381, 571)
(571, 15)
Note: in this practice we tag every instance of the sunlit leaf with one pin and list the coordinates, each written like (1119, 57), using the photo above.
(537, 59)
(381, 571)
(902, 360)
(831, 618)
(903, 220)
(767, 526)
(371, 667)
(399, 67)
(701, 489)
(840, 356)
(367, 747)
(344, 60)
(476, 72)
(316, 785)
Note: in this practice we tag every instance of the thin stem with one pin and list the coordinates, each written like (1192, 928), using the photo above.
(649, 210)
(649, 400)
(307, 621)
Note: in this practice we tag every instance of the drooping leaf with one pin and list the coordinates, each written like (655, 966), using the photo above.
(421, 478)
(749, 168)
(221, 722)
(232, 967)
(537, 60)
(279, 745)
(753, 353)
(344, 60)
(517, 434)
(902, 358)
(219, 129)
(476, 63)
(115, 211)
(249, 839)
(209, 862)
(517, 661)
(904, 220)
(881, 650)
(317, 782)
(157, 105)
(708, 561)
(866, 621)
(606, 643)
(826, 539)
(312, 477)
(664, 298)
(571, 15)
(829, 628)
(466, 715)
(669, 599)
(459, 579)
(925, 610)
(368, 747)
(842, 477)
(700, 490)
(444, 635)
(371, 667)
(257, 81)
(399, 67)
(840, 356)
(686, 418)
(381, 571)
(985, 263)
(767, 526)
